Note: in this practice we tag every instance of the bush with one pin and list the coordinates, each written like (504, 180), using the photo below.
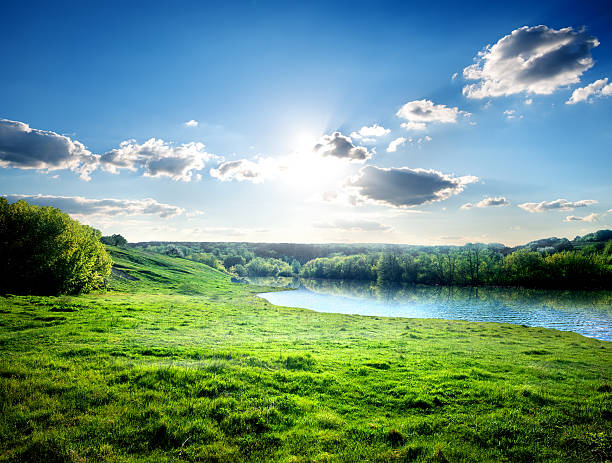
(44, 251)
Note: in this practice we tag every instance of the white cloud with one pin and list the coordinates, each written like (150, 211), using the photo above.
(404, 187)
(341, 146)
(158, 158)
(428, 111)
(589, 218)
(597, 89)
(191, 123)
(78, 205)
(534, 59)
(22, 147)
(395, 144)
(455, 75)
(556, 205)
(497, 201)
(414, 125)
(528, 101)
(257, 171)
(369, 134)
(418, 142)
(511, 114)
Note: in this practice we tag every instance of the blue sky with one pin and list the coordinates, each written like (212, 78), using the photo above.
(314, 122)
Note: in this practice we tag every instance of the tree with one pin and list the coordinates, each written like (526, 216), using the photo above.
(231, 261)
(388, 268)
(114, 240)
(174, 251)
(44, 251)
(239, 270)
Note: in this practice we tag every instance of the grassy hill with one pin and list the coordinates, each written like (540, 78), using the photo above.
(176, 363)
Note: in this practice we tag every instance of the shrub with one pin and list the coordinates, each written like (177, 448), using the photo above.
(44, 251)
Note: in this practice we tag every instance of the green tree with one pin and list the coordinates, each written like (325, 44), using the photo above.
(388, 268)
(44, 251)
(114, 240)
(231, 261)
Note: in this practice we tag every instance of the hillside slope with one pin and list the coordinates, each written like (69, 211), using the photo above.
(137, 271)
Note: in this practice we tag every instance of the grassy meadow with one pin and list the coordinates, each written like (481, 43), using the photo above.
(176, 363)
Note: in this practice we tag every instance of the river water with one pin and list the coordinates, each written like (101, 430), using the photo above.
(588, 313)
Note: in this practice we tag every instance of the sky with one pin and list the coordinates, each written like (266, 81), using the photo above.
(398, 122)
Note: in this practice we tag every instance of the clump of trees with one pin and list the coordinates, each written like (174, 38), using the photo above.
(268, 267)
(114, 240)
(359, 267)
(44, 251)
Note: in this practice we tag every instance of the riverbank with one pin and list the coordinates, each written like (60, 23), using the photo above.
(588, 313)
(182, 365)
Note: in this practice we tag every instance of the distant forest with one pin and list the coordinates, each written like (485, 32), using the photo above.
(584, 262)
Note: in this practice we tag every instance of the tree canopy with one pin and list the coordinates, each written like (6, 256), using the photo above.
(114, 240)
(44, 251)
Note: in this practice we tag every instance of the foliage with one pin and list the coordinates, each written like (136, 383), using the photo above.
(231, 261)
(44, 251)
(359, 267)
(175, 363)
(239, 270)
(472, 265)
(268, 267)
(114, 240)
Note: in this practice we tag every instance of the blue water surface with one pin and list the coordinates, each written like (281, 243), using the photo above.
(588, 313)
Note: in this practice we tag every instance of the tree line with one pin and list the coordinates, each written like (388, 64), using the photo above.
(473, 265)
(583, 262)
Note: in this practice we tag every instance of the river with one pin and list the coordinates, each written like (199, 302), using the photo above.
(588, 313)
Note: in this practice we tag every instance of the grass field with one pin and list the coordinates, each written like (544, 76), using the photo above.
(176, 363)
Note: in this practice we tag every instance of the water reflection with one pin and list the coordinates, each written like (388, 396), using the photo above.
(586, 312)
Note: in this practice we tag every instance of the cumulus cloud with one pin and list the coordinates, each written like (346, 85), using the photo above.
(77, 205)
(191, 123)
(497, 201)
(534, 59)
(556, 205)
(395, 144)
(25, 148)
(22, 147)
(245, 170)
(405, 187)
(419, 113)
(588, 218)
(158, 158)
(597, 89)
(355, 225)
(341, 146)
(369, 134)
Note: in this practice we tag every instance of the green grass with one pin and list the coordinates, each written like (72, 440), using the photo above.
(176, 363)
